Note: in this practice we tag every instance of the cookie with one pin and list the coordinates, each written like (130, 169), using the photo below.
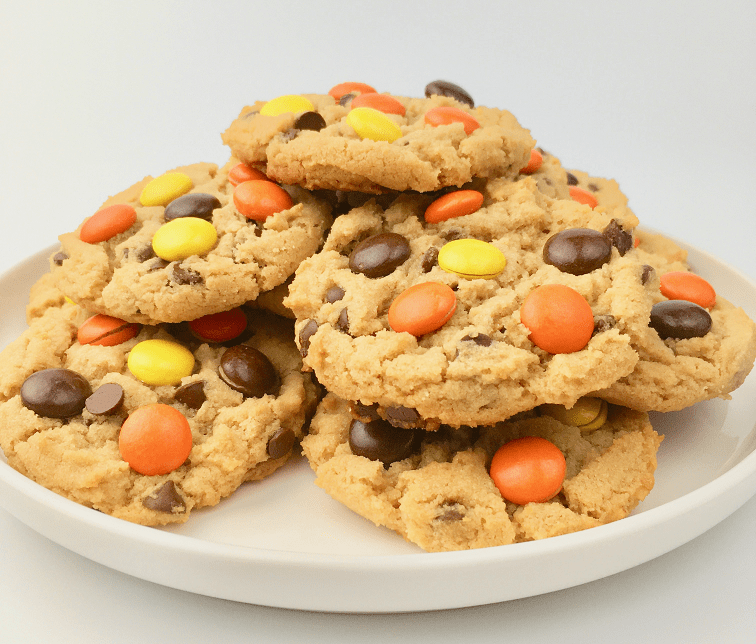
(696, 350)
(197, 420)
(178, 247)
(477, 363)
(435, 490)
(372, 142)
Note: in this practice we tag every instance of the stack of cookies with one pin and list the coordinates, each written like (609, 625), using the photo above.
(462, 337)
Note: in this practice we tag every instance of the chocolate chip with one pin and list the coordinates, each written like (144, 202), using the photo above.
(404, 417)
(593, 187)
(144, 253)
(106, 399)
(165, 499)
(55, 393)
(158, 264)
(603, 323)
(445, 88)
(379, 255)
(646, 274)
(247, 115)
(430, 259)
(365, 413)
(334, 294)
(481, 339)
(342, 324)
(310, 121)
(572, 180)
(618, 237)
(346, 99)
(380, 441)
(249, 371)
(280, 443)
(290, 134)
(196, 204)
(454, 234)
(192, 395)
(450, 512)
(186, 276)
(59, 258)
(577, 250)
(679, 319)
(307, 331)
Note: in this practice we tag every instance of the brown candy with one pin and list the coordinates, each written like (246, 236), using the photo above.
(381, 441)
(106, 399)
(679, 319)
(165, 499)
(192, 395)
(379, 255)
(249, 371)
(445, 88)
(55, 393)
(196, 204)
(280, 443)
(577, 250)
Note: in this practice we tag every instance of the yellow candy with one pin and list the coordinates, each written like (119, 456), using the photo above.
(160, 362)
(284, 104)
(165, 188)
(471, 259)
(372, 124)
(183, 237)
(587, 413)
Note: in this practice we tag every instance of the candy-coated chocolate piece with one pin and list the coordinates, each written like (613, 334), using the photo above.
(680, 319)
(471, 259)
(249, 371)
(583, 196)
(422, 308)
(535, 162)
(577, 250)
(381, 102)
(454, 204)
(241, 172)
(259, 200)
(378, 440)
(155, 439)
(379, 255)
(184, 237)
(55, 393)
(680, 285)
(107, 223)
(107, 331)
(160, 362)
(371, 124)
(350, 87)
(528, 470)
(587, 413)
(283, 104)
(444, 115)
(165, 188)
(220, 327)
(445, 88)
(196, 204)
(559, 319)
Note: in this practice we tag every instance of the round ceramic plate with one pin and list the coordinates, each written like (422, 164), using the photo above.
(283, 542)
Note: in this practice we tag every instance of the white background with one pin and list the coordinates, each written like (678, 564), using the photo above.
(658, 95)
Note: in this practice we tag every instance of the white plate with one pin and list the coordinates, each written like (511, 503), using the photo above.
(283, 542)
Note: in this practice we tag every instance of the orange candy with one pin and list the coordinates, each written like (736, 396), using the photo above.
(242, 172)
(679, 285)
(528, 470)
(560, 320)
(259, 200)
(446, 115)
(453, 204)
(337, 91)
(381, 102)
(536, 159)
(107, 223)
(220, 327)
(106, 331)
(583, 196)
(155, 439)
(422, 308)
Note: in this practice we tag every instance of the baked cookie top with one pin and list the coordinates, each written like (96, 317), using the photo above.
(370, 142)
(147, 423)
(435, 490)
(699, 346)
(194, 241)
(423, 315)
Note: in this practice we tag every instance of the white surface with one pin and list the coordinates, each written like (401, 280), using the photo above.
(271, 542)
(660, 96)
